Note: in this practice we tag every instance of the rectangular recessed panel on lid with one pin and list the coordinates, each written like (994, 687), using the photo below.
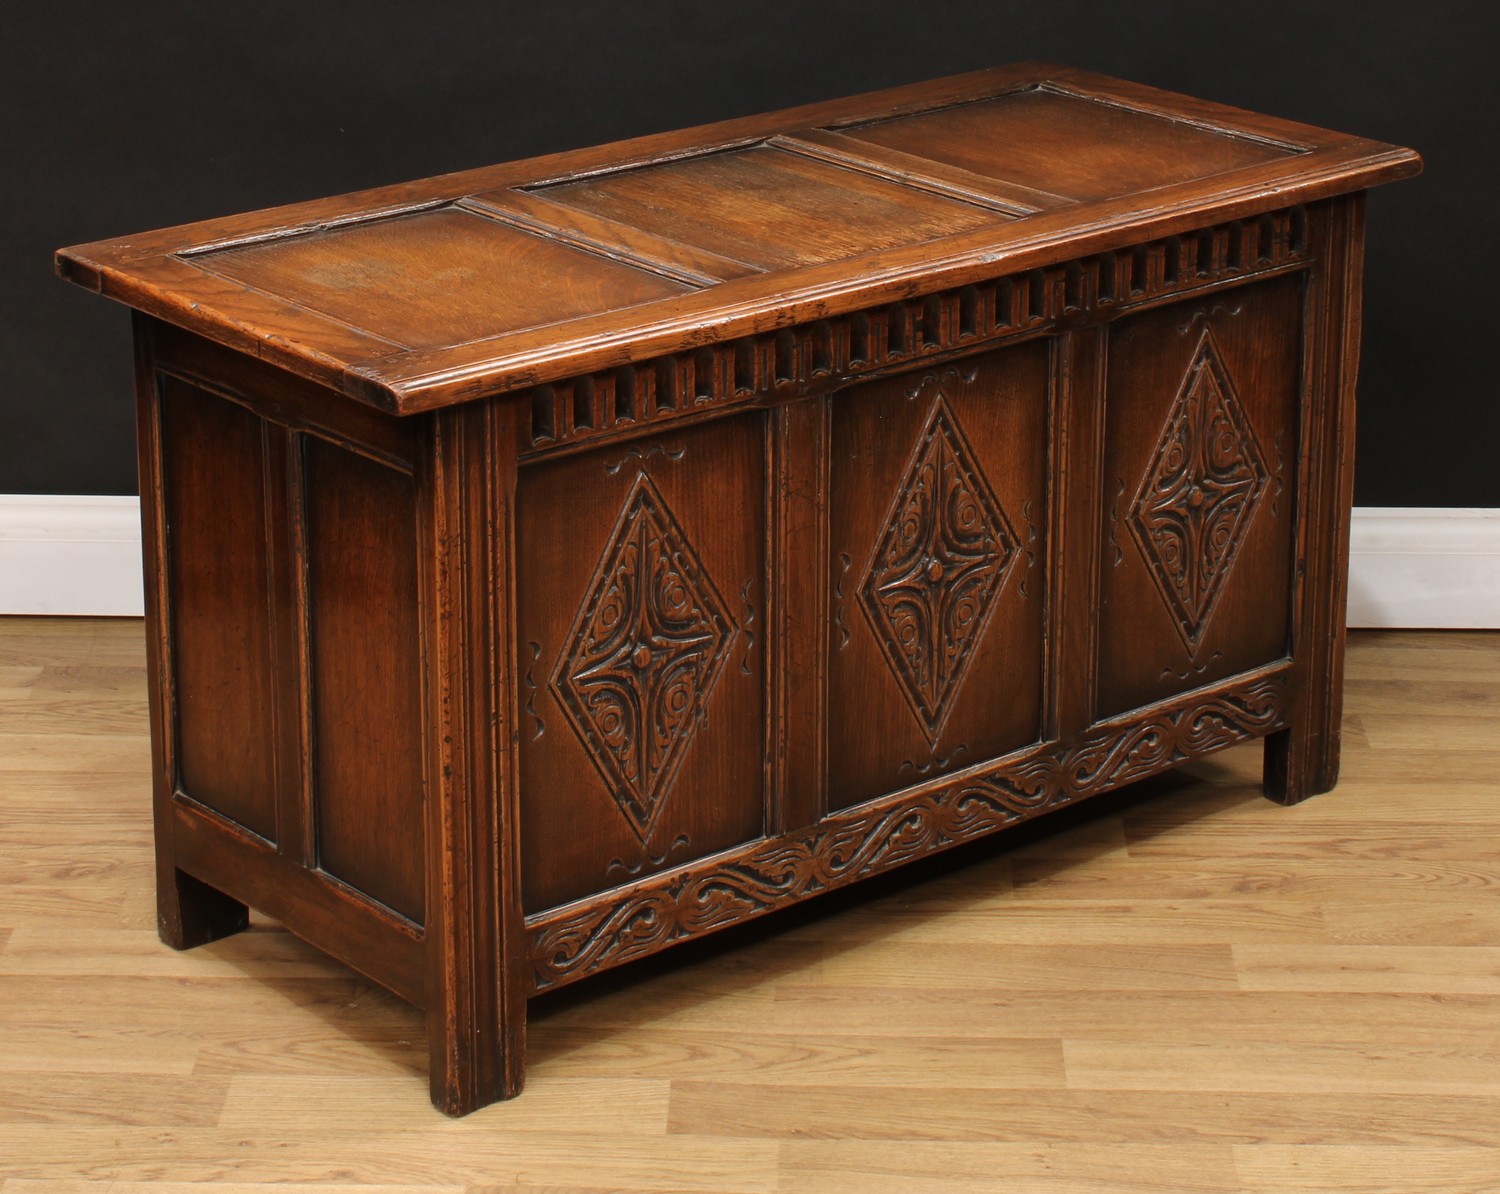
(1066, 144)
(771, 208)
(438, 277)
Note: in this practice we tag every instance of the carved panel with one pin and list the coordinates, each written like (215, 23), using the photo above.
(941, 560)
(1198, 491)
(1197, 498)
(641, 688)
(935, 570)
(643, 656)
(651, 915)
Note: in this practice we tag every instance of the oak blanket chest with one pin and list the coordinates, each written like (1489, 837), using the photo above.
(552, 562)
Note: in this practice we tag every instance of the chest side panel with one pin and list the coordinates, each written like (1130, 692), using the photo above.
(219, 595)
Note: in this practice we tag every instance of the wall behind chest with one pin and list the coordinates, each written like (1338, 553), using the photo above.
(123, 118)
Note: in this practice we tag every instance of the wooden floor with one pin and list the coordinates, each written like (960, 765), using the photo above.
(1182, 987)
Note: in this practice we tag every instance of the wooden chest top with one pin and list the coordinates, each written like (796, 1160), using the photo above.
(428, 293)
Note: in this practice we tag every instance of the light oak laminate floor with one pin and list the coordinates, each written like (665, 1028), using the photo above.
(1179, 987)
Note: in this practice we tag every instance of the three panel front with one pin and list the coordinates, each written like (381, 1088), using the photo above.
(917, 549)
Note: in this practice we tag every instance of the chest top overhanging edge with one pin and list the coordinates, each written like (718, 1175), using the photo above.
(429, 293)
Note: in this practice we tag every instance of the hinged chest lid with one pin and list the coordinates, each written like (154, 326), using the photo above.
(420, 295)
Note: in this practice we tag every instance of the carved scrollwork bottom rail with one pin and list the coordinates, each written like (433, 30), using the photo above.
(571, 942)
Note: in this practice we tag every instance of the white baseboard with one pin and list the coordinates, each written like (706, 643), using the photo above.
(1424, 567)
(70, 555)
(1408, 567)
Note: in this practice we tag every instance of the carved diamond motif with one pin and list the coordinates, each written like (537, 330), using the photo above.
(643, 656)
(942, 558)
(1196, 501)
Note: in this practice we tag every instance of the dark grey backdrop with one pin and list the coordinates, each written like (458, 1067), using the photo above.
(121, 117)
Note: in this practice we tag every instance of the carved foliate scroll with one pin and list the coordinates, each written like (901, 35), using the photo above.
(876, 837)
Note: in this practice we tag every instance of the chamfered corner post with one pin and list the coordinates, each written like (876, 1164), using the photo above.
(1302, 760)
(475, 988)
(189, 912)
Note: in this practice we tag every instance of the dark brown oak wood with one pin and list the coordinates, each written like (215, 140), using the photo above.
(917, 171)
(83, 268)
(188, 911)
(573, 941)
(429, 268)
(535, 211)
(553, 562)
(342, 922)
(475, 995)
(282, 399)
(665, 592)
(771, 208)
(1190, 157)
(218, 591)
(360, 569)
(1217, 380)
(1074, 502)
(797, 623)
(1016, 138)
(1304, 760)
(938, 549)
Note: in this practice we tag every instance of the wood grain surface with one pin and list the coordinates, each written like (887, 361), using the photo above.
(769, 208)
(431, 293)
(1179, 987)
(1014, 138)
